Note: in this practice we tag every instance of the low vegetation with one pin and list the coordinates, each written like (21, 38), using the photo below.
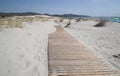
(1, 23)
(61, 20)
(68, 25)
(101, 23)
(116, 56)
(71, 18)
(10, 22)
(18, 24)
(44, 19)
(78, 20)
(29, 19)
(16, 21)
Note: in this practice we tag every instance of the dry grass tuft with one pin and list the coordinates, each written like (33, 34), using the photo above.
(101, 23)
(10, 23)
(30, 19)
(14, 23)
(18, 24)
(1, 23)
(71, 18)
(79, 19)
(68, 25)
(44, 19)
(61, 20)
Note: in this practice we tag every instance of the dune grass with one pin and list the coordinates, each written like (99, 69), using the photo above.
(61, 20)
(71, 18)
(10, 23)
(16, 21)
(18, 24)
(30, 19)
(44, 19)
(101, 23)
(1, 23)
(13, 23)
(78, 20)
(68, 24)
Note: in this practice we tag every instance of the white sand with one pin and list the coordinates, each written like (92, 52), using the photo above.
(23, 52)
(103, 40)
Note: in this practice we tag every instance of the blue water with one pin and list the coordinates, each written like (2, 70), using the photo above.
(108, 19)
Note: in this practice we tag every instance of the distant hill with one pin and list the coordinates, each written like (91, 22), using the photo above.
(74, 15)
(18, 14)
(71, 15)
(33, 13)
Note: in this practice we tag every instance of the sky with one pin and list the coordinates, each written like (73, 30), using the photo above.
(81, 7)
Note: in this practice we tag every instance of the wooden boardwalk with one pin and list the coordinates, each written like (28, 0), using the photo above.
(68, 57)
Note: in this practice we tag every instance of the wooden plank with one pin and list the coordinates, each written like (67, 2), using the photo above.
(68, 57)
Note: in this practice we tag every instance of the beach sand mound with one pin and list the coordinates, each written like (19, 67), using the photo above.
(104, 40)
(23, 51)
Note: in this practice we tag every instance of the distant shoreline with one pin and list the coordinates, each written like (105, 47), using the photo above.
(68, 16)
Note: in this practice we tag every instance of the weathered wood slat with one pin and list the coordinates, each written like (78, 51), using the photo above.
(81, 67)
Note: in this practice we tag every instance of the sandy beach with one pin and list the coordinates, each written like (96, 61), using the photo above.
(59, 37)
(23, 51)
(102, 40)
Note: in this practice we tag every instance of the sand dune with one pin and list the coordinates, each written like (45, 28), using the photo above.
(103, 40)
(23, 51)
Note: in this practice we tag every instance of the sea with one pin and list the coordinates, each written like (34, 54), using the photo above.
(108, 19)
